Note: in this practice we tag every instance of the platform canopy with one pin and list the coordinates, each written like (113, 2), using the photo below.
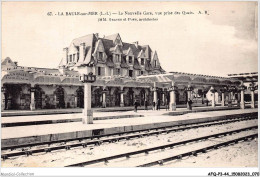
(189, 79)
(44, 76)
(245, 77)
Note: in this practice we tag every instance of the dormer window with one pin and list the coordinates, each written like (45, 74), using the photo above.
(130, 60)
(100, 55)
(70, 58)
(142, 61)
(155, 63)
(117, 59)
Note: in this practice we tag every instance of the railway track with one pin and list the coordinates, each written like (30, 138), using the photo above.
(98, 140)
(199, 150)
(163, 158)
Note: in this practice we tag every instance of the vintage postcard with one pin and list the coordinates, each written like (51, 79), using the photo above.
(163, 86)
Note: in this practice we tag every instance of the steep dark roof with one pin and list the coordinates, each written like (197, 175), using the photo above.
(88, 40)
(109, 47)
(123, 63)
(111, 37)
(110, 62)
(147, 51)
(162, 70)
(108, 44)
(136, 64)
(148, 66)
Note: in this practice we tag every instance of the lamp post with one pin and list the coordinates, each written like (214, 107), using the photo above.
(87, 79)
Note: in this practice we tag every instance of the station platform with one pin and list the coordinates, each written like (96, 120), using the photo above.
(77, 117)
(61, 118)
(152, 119)
(10, 113)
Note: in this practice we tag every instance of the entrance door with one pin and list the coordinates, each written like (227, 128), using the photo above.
(130, 97)
(13, 94)
(60, 97)
(80, 97)
(159, 95)
(117, 97)
(38, 97)
(142, 97)
(98, 98)
(177, 97)
(185, 96)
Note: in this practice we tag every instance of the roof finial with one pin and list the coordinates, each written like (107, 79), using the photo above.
(136, 43)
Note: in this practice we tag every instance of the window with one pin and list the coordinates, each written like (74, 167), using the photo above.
(70, 58)
(117, 58)
(73, 57)
(142, 61)
(130, 73)
(77, 56)
(130, 59)
(117, 71)
(155, 63)
(99, 71)
(142, 72)
(100, 55)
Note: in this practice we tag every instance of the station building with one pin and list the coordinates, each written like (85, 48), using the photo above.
(125, 72)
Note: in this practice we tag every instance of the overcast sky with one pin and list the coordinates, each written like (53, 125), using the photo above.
(223, 42)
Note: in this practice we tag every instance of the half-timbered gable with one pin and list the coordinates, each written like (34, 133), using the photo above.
(99, 52)
(155, 61)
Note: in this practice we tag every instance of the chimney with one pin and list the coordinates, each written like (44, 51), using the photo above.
(136, 44)
(82, 49)
(65, 55)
